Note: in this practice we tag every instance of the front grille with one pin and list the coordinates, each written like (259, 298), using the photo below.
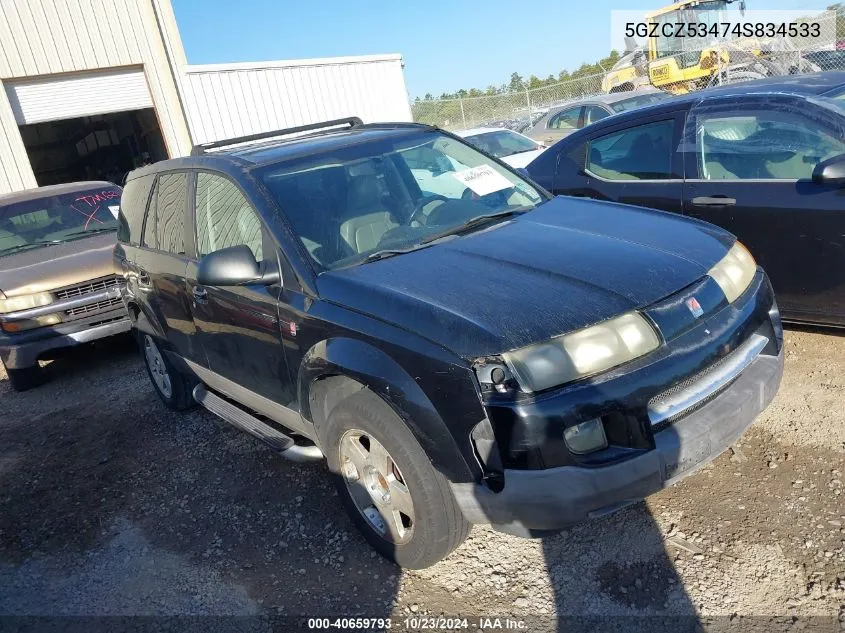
(79, 290)
(697, 390)
(95, 285)
(93, 308)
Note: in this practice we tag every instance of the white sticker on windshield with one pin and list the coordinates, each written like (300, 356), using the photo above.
(483, 179)
(114, 208)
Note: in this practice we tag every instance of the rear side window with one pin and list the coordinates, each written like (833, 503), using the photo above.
(133, 206)
(171, 196)
(224, 217)
(566, 120)
(643, 152)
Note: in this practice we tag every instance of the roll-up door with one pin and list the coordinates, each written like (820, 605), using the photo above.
(78, 95)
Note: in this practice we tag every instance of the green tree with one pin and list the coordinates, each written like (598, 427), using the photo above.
(516, 83)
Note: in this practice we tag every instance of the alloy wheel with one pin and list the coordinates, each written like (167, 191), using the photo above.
(377, 486)
(158, 369)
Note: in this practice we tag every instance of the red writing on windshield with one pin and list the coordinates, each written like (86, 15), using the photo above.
(95, 199)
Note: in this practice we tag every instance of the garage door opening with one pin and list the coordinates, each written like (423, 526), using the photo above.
(98, 147)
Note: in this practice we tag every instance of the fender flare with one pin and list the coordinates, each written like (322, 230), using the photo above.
(362, 365)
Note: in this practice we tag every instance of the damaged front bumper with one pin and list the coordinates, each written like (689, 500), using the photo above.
(664, 417)
(555, 498)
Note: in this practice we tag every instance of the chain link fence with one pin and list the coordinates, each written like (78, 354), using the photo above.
(520, 110)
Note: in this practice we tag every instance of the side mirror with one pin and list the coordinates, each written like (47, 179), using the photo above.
(235, 266)
(523, 172)
(830, 171)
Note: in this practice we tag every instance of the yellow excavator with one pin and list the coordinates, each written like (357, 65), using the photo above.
(683, 64)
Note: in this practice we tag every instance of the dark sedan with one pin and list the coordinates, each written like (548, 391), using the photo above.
(763, 159)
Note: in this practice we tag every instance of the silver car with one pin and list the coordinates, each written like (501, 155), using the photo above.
(563, 120)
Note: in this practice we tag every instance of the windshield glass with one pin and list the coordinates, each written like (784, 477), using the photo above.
(638, 101)
(391, 193)
(55, 219)
(502, 143)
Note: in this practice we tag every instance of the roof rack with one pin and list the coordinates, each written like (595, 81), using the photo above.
(198, 150)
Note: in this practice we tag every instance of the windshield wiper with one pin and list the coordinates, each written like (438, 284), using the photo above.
(429, 241)
(475, 222)
(388, 252)
(91, 231)
(20, 247)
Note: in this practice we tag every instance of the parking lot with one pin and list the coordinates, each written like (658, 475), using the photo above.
(110, 504)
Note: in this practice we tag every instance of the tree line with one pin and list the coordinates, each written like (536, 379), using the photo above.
(518, 83)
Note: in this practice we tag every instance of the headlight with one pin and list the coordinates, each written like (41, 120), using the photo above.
(734, 272)
(25, 302)
(31, 324)
(582, 353)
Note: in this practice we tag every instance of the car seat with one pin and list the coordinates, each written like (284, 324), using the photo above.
(367, 219)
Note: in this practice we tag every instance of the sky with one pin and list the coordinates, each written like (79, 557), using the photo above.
(446, 44)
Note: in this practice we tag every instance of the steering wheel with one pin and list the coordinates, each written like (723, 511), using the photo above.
(422, 204)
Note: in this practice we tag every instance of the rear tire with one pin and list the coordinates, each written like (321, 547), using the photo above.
(174, 389)
(25, 378)
(418, 522)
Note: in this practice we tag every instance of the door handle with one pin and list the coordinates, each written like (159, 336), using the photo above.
(200, 294)
(714, 201)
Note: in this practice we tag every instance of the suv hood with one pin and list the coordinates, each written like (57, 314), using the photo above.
(570, 263)
(59, 265)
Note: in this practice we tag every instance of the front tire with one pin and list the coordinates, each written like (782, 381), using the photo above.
(172, 387)
(25, 378)
(397, 499)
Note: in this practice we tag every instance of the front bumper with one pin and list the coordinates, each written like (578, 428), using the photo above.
(558, 497)
(23, 350)
(664, 416)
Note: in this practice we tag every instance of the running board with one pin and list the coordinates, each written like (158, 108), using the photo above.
(248, 423)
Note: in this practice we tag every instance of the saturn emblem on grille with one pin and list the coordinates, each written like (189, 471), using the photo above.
(694, 307)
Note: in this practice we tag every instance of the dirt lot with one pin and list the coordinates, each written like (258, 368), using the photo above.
(110, 504)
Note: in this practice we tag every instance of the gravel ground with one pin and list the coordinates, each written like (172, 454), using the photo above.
(111, 504)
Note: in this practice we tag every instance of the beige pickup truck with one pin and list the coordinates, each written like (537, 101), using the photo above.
(58, 286)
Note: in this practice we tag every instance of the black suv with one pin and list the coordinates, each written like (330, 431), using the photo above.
(459, 345)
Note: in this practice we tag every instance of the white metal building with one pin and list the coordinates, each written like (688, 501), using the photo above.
(228, 100)
(89, 89)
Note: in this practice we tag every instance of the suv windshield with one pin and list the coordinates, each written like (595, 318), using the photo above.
(55, 219)
(502, 143)
(392, 195)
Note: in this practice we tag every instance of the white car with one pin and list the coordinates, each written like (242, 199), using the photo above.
(511, 147)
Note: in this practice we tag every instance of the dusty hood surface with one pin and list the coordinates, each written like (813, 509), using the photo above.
(58, 265)
(571, 263)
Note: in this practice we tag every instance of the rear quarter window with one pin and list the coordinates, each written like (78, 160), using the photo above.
(133, 207)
